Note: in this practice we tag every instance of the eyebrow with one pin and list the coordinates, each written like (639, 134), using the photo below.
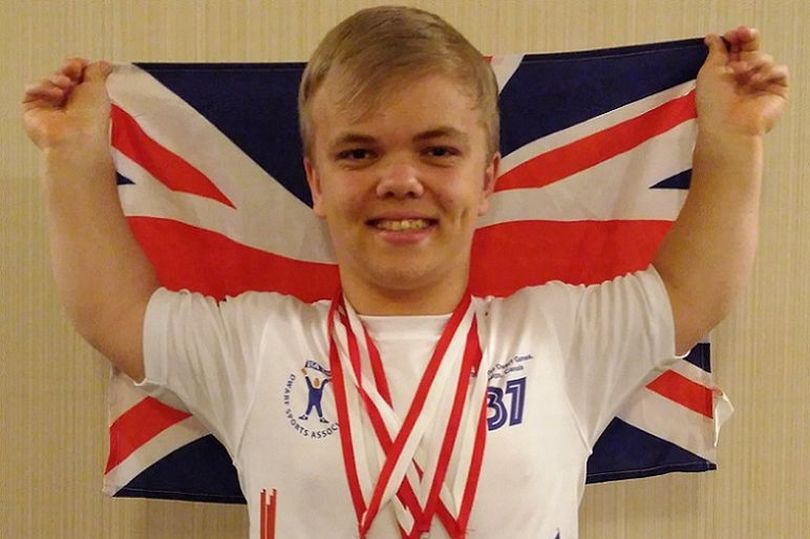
(443, 131)
(353, 138)
(437, 132)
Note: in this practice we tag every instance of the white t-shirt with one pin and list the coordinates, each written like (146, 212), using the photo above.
(561, 358)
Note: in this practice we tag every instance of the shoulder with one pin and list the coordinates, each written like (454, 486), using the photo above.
(250, 306)
(558, 299)
(547, 294)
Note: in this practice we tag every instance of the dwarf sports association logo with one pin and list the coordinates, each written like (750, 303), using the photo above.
(303, 400)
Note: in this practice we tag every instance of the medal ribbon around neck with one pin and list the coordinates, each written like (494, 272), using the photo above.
(401, 454)
(471, 449)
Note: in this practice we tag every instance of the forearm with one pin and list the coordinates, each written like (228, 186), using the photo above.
(102, 275)
(706, 258)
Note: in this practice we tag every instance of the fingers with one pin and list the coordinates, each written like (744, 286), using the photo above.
(751, 63)
(779, 76)
(759, 71)
(738, 52)
(73, 68)
(773, 80)
(43, 88)
(743, 39)
(44, 93)
(69, 74)
(740, 40)
(56, 88)
(718, 54)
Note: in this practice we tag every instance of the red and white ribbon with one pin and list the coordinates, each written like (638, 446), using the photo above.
(387, 458)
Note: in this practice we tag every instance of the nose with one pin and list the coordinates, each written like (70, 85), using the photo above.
(399, 180)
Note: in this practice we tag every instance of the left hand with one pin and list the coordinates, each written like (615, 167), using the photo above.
(740, 89)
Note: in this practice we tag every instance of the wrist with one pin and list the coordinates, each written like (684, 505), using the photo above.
(76, 165)
(78, 151)
(715, 134)
(724, 159)
(729, 144)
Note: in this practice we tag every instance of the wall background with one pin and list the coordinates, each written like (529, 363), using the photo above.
(52, 385)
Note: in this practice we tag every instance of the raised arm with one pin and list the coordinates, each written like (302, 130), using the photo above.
(706, 258)
(102, 275)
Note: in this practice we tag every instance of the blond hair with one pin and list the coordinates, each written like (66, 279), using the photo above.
(378, 46)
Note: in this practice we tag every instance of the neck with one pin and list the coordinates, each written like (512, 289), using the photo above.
(441, 298)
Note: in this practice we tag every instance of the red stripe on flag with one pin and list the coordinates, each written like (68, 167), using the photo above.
(685, 392)
(584, 153)
(505, 257)
(212, 264)
(137, 426)
(172, 170)
(509, 256)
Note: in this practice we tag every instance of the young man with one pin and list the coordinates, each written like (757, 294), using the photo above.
(400, 128)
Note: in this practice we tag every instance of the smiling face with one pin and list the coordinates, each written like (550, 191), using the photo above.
(401, 188)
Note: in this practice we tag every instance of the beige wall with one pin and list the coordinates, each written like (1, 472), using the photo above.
(52, 416)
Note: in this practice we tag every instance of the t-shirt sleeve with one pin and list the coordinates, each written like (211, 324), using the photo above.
(207, 354)
(614, 338)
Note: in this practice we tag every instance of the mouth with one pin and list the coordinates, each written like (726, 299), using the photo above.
(402, 225)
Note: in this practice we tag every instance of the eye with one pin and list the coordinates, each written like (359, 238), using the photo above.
(441, 152)
(355, 154)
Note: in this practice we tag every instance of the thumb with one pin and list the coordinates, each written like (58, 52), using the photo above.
(92, 92)
(718, 53)
(97, 71)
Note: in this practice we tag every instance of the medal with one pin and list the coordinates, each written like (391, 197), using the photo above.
(409, 478)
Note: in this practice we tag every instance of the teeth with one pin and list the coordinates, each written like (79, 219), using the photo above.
(403, 224)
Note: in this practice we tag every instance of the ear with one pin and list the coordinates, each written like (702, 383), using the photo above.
(314, 182)
(490, 177)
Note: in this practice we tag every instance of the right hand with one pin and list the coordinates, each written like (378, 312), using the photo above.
(740, 89)
(72, 103)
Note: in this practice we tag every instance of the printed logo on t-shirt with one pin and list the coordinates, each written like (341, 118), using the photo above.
(303, 398)
(506, 392)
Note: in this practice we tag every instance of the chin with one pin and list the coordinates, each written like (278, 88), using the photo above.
(404, 273)
(402, 276)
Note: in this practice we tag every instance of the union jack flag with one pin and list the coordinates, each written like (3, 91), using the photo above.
(596, 164)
